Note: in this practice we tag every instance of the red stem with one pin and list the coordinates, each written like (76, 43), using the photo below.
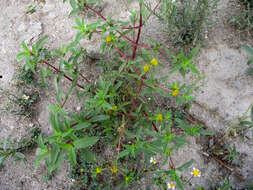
(57, 70)
(84, 78)
(138, 35)
(153, 124)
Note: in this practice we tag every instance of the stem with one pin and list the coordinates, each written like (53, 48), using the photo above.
(138, 35)
(153, 124)
(84, 78)
(58, 71)
(171, 162)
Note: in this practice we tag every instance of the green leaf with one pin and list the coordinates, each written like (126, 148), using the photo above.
(19, 156)
(54, 153)
(123, 153)
(74, 11)
(40, 158)
(54, 122)
(85, 142)
(177, 67)
(194, 69)
(78, 22)
(88, 155)
(178, 181)
(41, 143)
(25, 46)
(251, 114)
(169, 53)
(194, 52)
(248, 49)
(73, 4)
(72, 156)
(56, 52)
(40, 42)
(250, 61)
(22, 55)
(186, 165)
(81, 126)
(100, 118)
(206, 132)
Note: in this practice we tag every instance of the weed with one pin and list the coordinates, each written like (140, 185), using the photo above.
(116, 114)
(249, 50)
(244, 19)
(187, 21)
(14, 149)
(26, 76)
(31, 9)
(20, 104)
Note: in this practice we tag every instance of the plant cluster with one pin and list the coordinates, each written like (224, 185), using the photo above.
(12, 148)
(118, 111)
(249, 50)
(187, 21)
(244, 19)
(21, 104)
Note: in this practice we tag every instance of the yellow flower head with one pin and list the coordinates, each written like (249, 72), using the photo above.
(146, 68)
(98, 170)
(159, 117)
(115, 108)
(175, 92)
(152, 160)
(154, 62)
(109, 39)
(81, 170)
(127, 178)
(195, 172)
(171, 185)
(114, 169)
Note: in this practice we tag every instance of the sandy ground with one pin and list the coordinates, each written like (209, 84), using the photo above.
(226, 89)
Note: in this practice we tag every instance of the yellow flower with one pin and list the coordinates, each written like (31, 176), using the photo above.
(171, 185)
(175, 92)
(115, 108)
(195, 172)
(159, 117)
(98, 170)
(109, 39)
(154, 62)
(114, 169)
(152, 160)
(81, 170)
(146, 68)
(127, 178)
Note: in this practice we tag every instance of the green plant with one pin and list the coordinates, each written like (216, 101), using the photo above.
(14, 149)
(118, 111)
(21, 104)
(186, 21)
(244, 19)
(31, 9)
(249, 50)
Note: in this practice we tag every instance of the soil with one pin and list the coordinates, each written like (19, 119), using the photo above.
(223, 95)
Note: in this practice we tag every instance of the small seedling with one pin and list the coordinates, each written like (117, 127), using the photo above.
(249, 50)
(187, 21)
(21, 104)
(12, 148)
(244, 19)
(31, 9)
